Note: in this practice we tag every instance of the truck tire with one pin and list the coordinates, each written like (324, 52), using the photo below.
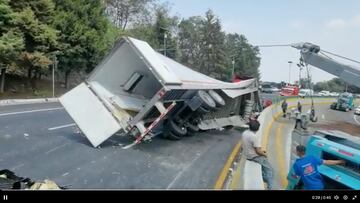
(172, 136)
(192, 130)
(228, 128)
(208, 101)
(202, 110)
(177, 130)
(217, 98)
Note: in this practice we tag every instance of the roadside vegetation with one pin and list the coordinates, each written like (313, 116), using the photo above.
(73, 36)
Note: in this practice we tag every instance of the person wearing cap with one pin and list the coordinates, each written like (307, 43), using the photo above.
(306, 167)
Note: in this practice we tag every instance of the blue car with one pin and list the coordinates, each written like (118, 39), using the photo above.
(333, 146)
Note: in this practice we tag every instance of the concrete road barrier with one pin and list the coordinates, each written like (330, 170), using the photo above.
(8, 102)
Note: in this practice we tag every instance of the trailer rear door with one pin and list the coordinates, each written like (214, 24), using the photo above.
(90, 114)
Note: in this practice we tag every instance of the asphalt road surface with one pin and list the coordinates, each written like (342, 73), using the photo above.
(40, 141)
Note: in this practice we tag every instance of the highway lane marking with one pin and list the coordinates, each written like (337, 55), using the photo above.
(223, 174)
(62, 126)
(56, 148)
(65, 174)
(17, 167)
(355, 116)
(280, 155)
(182, 172)
(31, 111)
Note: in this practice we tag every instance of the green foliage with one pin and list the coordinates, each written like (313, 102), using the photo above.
(81, 32)
(245, 56)
(86, 34)
(32, 22)
(11, 41)
(335, 85)
(159, 31)
(206, 48)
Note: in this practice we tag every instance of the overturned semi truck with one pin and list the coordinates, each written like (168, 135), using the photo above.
(136, 91)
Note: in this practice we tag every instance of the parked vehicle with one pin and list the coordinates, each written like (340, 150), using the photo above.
(345, 102)
(357, 111)
(290, 90)
(138, 92)
(324, 93)
(306, 93)
(334, 94)
(269, 89)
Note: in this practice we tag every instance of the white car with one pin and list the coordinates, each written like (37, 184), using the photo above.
(305, 93)
(324, 93)
(334, 94)
(357, 111)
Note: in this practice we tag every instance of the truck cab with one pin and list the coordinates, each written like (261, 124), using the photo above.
(333, 145)
(345, 102)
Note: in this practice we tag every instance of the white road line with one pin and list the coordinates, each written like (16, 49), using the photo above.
(56, 148)
(18, 166)
(182, 172)
(62, 126)
(356, 120)
(65, 174)
(31, 111)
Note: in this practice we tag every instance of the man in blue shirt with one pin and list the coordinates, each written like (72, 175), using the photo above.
(306, 168)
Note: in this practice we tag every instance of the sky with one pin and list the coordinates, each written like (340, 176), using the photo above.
(334, 25)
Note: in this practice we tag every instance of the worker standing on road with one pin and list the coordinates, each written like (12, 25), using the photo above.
(251, 149)
(305, 167)
(284, 107)
(298, 120)
(299, 107)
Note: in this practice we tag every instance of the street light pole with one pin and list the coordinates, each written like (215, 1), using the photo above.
(54, 67)
(165, 37)
(300, 69)
(290, 63)
(53, 77)
(233, 68)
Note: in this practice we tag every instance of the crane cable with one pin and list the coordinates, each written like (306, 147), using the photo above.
(313, 117)
(343, 57)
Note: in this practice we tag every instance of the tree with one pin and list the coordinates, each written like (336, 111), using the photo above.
(86, 34)
(202, 45)
(11, 41)
(213, 46)
(159, 31)
(334, 85)
(164, 24)
(245, 56)
(33, 21)
(123, 12)
(189, 41)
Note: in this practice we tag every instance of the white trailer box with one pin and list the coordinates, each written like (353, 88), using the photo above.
(135, 88)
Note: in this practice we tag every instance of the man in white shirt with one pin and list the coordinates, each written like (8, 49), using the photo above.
(252, 150)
